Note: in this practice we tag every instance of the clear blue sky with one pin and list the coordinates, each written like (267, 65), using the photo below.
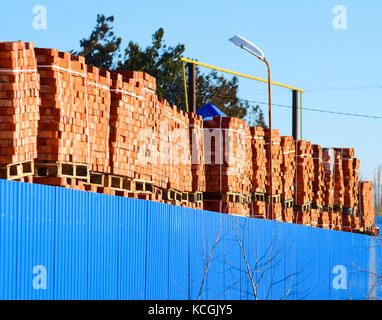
(297, 37)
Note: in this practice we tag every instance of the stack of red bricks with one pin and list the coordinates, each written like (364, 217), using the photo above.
(349, 219)
(277, 159)
(288, 169)
(180, 159)
(328, 217)
(130, 154)
(258, 171)
(318, 188)
(19, 102)
(53, 107)
(304, 181)
(63, 134)
(366, 205)
(98, 118)
(197, 156)
(227, 159)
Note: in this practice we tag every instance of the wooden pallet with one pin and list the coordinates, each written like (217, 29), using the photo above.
(195, 196)
(121, 183)
(258, 196)
(171, 195)
(303, 208)
(338, 209)
(318, 207)
(97, 179)
(286, 204)
(328, 208)
(349, 211)
(61, 169)
(276, 198)
(142, 186)
(18, 170)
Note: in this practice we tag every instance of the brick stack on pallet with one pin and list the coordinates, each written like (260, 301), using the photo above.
(19, 109)
(366, 206)
(227, 161)
(319, 187)
(180, 165)
(98, 118)
(304, 182)
(197, 160)
(338, 190)
(350, 220)
(63, 135)
(258, 172)
(328, 217)
(288, 169)
(276, 191)
(78, 127)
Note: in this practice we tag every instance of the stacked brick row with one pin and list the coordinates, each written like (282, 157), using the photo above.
(258, 169)
(53, 107)
(288, 169)
(197, 153)
(180, 159)
(227, 163)
(366, 203)
(63, 133)
(276, 172)
(304, 181)
(338, 181)
(19, 102)
(98, 118)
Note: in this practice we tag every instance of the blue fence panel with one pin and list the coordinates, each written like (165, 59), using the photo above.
(132, 248)
(103, 232)
(234, 274)
(71, 245)
(35, 254)
(198, 244)
(178, 277)
(57, 243)
(157, 261)
(8, 239)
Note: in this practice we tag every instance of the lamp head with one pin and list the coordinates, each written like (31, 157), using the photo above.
(248, 46)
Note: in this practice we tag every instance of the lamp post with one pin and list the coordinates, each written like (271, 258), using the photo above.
(253, 49)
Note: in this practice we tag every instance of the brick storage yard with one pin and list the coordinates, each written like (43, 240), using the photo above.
(64, 123)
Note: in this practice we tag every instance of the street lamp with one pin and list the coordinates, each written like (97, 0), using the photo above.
(253, 49)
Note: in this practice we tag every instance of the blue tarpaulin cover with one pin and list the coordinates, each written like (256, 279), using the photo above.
(209, 111)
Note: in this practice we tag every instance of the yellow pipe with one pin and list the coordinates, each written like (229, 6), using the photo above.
(301, 114)
(185, 86)
(240, 74)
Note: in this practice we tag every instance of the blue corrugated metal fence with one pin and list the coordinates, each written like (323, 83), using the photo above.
(58, 243)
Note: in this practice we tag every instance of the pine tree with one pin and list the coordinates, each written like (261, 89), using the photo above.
(102, 50)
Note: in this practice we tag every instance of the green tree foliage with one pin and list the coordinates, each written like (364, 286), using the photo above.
(102, 47)
(163, 63)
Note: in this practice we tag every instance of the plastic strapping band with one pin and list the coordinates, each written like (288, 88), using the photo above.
(149, 90)
(108, 123)
(18, 113)
(98, 85)
(288, 152)
(62, 69)
(27, 88)
(87, 114)
(62, 105)
(17, 71)
(128, 93)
